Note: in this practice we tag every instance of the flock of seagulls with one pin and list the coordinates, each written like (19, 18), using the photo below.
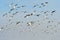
(31, 19)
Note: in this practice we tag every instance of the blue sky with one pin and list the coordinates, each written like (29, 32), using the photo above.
(10, 34)
(4, 4)
(53, 4)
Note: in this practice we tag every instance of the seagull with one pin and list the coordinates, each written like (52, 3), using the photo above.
(27, 15)
(4, 14)
(38, 15)
(35, 5)
(1, 28)
(18, 22)
(42, 3)
(12, 9)
(53, 11)
(46, 2)
(15, 13)
(30, 23)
